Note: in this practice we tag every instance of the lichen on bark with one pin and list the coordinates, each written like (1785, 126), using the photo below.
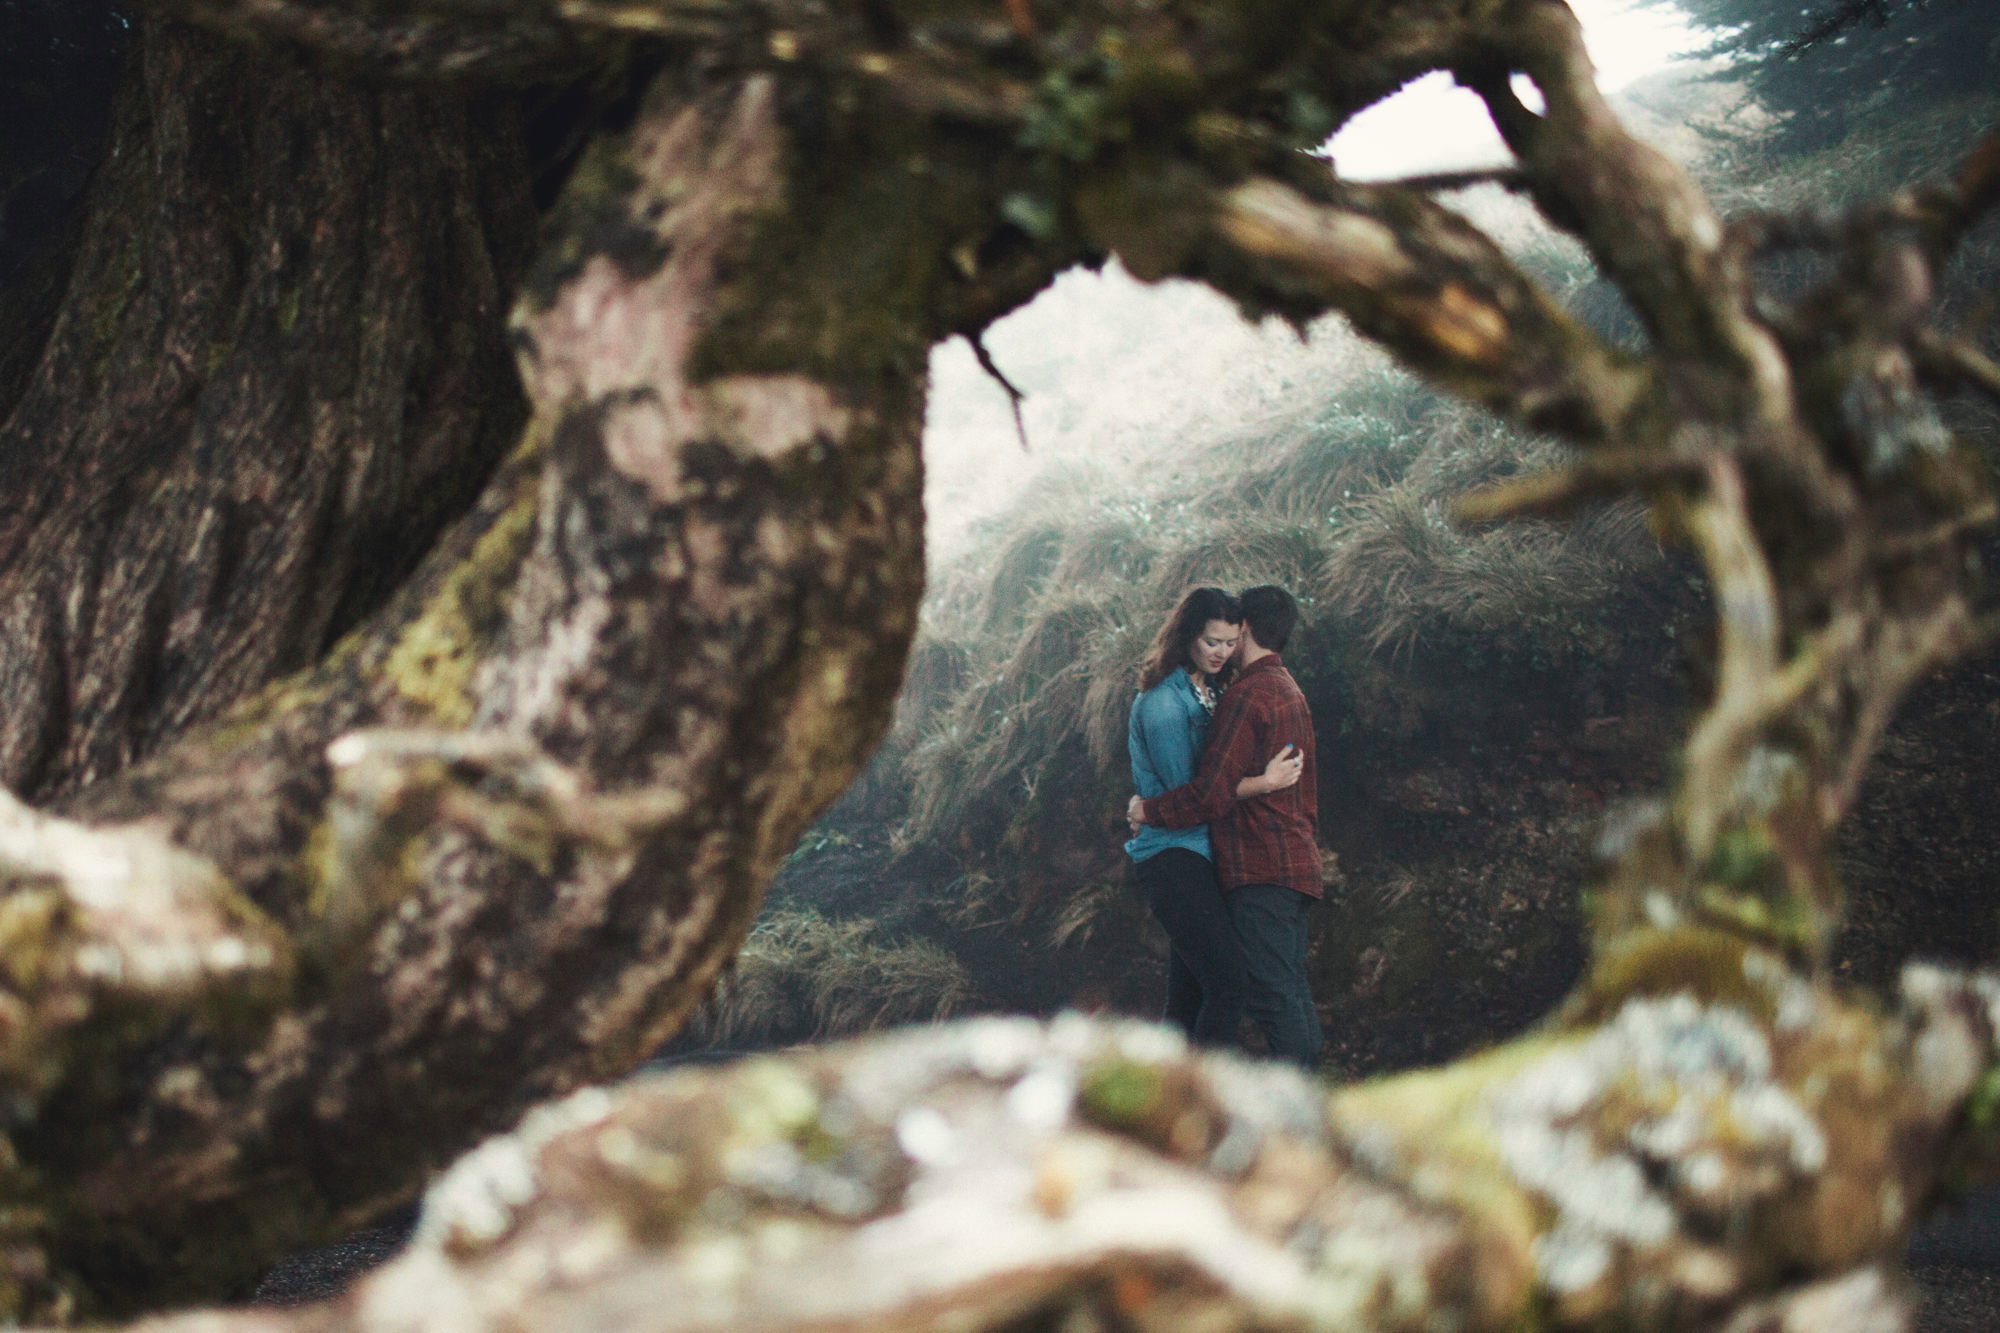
(1676, 1165)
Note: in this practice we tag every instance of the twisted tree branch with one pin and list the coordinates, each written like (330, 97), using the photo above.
(1418, 278)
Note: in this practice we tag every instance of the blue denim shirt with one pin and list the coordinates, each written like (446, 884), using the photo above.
(1164, 735)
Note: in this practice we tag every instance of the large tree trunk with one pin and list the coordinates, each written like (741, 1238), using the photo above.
(281, 950)
(578, 738)
(279, 371)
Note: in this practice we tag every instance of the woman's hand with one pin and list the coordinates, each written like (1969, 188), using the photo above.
(1283, 771)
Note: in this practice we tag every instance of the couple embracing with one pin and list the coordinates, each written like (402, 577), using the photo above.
(1226, 821)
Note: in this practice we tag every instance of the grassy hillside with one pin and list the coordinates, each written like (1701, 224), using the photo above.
(1485, 699)
(1442, 665)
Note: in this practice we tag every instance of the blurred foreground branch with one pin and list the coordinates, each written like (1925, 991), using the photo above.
(1746, 1163)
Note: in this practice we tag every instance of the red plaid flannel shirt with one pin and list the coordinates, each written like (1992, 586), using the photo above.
(1270, 839)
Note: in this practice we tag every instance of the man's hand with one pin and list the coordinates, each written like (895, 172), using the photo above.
(1134, 809)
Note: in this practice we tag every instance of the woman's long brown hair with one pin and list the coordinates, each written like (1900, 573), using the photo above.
(1170, 646)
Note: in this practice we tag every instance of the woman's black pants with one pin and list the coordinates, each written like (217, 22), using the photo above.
(1206, 980)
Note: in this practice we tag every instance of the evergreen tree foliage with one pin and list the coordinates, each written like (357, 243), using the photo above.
(1826, 67)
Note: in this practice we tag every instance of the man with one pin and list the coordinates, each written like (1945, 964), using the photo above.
(1266, 847)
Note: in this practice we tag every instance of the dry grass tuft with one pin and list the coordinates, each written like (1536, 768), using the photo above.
(1090, 908)
(802, 977)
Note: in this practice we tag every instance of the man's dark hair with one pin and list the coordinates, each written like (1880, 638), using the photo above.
(1270, 613)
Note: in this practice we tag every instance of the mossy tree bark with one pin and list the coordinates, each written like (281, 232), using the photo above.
(277, 950)
(497, 839)
(278, 372)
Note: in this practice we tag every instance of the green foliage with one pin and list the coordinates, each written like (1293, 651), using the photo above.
(1982, 1108)
(1074, 113)
(818, 840)
(1120, 1092)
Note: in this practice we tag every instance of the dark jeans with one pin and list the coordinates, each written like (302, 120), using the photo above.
(1206, 980)
(1270, 922)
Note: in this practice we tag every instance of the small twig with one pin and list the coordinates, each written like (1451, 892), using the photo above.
(1511, 117)
(1761, 235)
(929, 89)
(1749, 685)
(1956, 209)
(1957, 363)
(393, 788)
(1979, 180)
(519, 773)
(1936, 641)
(1915, 545)
(1014, 396)
(1977, 319)
(681, 20)
(1507, 178)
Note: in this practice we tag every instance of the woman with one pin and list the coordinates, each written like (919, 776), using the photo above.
(1178, 685)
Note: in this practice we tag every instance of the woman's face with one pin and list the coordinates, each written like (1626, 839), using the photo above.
(1211, 648)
